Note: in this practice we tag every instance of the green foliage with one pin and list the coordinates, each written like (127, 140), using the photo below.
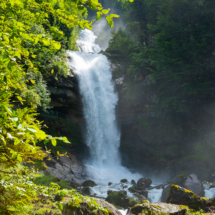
(133, 202)
(47, 179)
(33, 39)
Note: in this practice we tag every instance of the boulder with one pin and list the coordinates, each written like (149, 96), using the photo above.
(86, 208)
(157, 208)
(110, 183)
(89, 183)
(112, 210)
(86, 190)
(132, 189)
(178, 180)
(181, 196)
(144, 183)
(66, 168)
(124, 180)
(192, 183)
(119, 198)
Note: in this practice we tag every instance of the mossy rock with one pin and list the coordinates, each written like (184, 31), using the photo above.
(181, 196)
(89, 183)
(140, 198)
(110, 183)
(133, 202)
(124, 180)
(86, 190)
(117, 198)
(144, 182)
(132, 189)
(178, 180)
(158, 209)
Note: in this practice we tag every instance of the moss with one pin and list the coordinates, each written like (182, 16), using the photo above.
(132, 189)
(124, 180)
(133, 202)
(45, 180)
(114, 195)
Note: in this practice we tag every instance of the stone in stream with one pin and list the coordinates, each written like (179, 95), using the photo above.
(132, 189)
(124, 180)
(119, 198)
(89, 183)
(144, 183)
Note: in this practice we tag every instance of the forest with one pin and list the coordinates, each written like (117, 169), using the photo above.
(166, 53)
(163, 50)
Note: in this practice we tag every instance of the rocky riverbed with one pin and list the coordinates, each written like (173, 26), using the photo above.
(134, 197)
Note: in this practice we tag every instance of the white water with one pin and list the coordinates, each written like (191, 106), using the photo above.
(209, 192)
(99, 102)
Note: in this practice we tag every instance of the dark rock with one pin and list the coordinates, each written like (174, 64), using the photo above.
(157, 208)
(140, 198)
(110, 183)
(109, 192)
(58, 198)
(132, 189)
(117, 198)
(144, 183)
(124, 180)
(89, 183)
(192, 183)
(86, 190)
(212, 186)
(142, 192)
(181, 196)
(134, 183)
(74, 184)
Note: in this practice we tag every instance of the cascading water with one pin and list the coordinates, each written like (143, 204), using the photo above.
(99, 102)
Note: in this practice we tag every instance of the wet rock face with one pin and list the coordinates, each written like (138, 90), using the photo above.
(65, 97)
(181, 196)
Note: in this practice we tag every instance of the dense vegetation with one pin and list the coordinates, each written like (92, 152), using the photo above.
(33, 41)
(166, 53)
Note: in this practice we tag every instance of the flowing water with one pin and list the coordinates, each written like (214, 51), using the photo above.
(102, 135)
(99, 99)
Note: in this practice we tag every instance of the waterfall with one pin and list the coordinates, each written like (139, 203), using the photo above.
(99, 99)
